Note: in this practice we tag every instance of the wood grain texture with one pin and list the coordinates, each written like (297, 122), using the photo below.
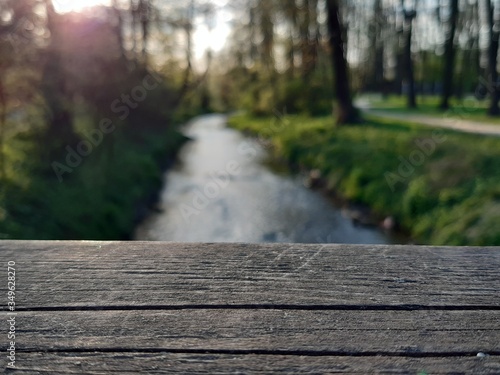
(175, 363)
(160, 308)
(419, 333)
(114, 274)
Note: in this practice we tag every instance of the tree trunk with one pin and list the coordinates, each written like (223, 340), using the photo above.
(188, 29)
(315, 37)
(144, 12)
(309, 38)
(477, 50)
(133, 29)
(376, 78)
(493, 110)
(291, 11)
(252, 28)
(3, 118)
(119, 30)
(59, 131)
(304, 38)
(449, 57)
(347, 113)
(409, 73)
(290, 71)
(265, 8)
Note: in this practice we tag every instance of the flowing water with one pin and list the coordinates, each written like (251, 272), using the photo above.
(220, 191)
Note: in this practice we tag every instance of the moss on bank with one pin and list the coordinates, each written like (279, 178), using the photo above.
(441, 186)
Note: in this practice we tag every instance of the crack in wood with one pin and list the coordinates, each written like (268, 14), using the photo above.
(260, 307)
(302, 353)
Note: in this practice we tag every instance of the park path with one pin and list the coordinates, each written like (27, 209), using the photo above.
(460, 125)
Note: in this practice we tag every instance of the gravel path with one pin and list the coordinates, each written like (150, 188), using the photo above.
(442, 122)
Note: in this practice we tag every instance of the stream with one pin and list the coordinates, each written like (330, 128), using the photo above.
(221, 191)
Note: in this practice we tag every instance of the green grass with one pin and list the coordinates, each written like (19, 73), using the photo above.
(452, 198)
(101, 200)
(467, 109)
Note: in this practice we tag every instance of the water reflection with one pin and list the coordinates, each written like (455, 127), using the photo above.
(221, 192)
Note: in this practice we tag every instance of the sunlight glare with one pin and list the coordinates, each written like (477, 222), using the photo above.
(66, 6)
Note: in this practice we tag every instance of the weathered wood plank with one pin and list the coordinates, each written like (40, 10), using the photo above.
(418, 333)
(62, 274)
(96, 308)
(178, 363)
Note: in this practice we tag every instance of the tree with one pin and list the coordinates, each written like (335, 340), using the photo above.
(290, 10)
(494, 35)
(409, 71)
(18, 51)
(3, 123)
(449, 56)
(347, 113)
(469, 62)
(59, 112)
(187, 25)
(376, 72)
(309, 36)
(119, 28)
(141, 14)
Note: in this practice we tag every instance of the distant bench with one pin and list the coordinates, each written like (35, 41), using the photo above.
(96, 307)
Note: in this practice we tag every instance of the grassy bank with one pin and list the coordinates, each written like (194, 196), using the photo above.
(467, 109)
(103, 198)
(443, 187)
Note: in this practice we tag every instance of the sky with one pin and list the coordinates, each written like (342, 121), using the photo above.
(214, 39)
(203, 38)
(64, 6)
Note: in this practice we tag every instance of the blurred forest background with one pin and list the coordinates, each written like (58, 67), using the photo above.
(122, 75)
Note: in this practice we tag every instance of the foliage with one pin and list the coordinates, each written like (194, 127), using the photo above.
(61, 76)
(102, 199)
(448, 200)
